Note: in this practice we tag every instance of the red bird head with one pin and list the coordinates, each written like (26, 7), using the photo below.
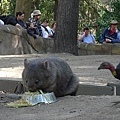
(105, 65)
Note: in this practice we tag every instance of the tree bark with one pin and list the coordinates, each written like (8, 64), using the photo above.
(55, 9)
(67, 26)
(26, 6)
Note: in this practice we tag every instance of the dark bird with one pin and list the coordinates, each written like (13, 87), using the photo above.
(115, 71)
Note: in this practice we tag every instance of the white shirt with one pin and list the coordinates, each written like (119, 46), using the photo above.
(44, 32)
(50, 30)
(1, 23)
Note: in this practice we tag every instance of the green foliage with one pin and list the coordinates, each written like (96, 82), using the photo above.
(12, 6)
(7, 7)
(116, 9)
(47, 9)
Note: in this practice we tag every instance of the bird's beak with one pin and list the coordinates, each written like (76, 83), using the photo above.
(99, 68)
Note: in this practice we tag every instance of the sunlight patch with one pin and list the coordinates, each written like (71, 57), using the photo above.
(11, 72)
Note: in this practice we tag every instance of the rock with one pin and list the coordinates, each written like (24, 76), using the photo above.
(16, 41)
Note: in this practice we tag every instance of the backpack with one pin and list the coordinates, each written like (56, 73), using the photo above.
(4, 18)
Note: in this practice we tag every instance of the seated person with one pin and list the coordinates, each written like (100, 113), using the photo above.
(1, 22)
(50, 30)
(32, 31)
(18, 20)
(111, 34)
(35, 18)
(45, 29)
(53, 27)
(86, 37)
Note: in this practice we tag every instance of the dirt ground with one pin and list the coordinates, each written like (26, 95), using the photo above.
(81, 107)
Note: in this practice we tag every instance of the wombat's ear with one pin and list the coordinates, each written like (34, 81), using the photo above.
(25, 62)
(45, 65)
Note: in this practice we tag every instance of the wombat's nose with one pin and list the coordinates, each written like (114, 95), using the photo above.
(31, 87)
(32, 90)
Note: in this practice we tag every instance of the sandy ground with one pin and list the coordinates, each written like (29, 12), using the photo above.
(81, 107)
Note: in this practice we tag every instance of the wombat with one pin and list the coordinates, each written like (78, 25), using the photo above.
(50, 75)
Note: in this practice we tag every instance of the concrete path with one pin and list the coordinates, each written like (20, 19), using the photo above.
(85, 67)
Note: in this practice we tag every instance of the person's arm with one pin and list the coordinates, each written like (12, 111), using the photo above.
(102, 40)
(18, 26)
(80, 38)
(117, 40)
(31, 33)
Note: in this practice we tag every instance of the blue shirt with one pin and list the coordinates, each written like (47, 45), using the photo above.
(88, 39)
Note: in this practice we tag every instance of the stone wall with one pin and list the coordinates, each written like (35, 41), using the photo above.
(16, 41)
(99, 49)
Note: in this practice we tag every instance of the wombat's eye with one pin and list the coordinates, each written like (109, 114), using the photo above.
(36, 82)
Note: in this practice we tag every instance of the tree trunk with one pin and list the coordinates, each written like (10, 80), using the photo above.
(55, 9)
(67, 26)
(26, 6)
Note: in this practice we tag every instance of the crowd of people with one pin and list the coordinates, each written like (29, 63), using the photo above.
(109, 35)
(33, 25)
(36, 28)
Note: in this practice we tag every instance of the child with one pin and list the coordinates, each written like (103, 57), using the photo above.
(31, 30)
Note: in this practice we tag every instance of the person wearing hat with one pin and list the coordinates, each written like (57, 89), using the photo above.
(35, 19)
(111, 34)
